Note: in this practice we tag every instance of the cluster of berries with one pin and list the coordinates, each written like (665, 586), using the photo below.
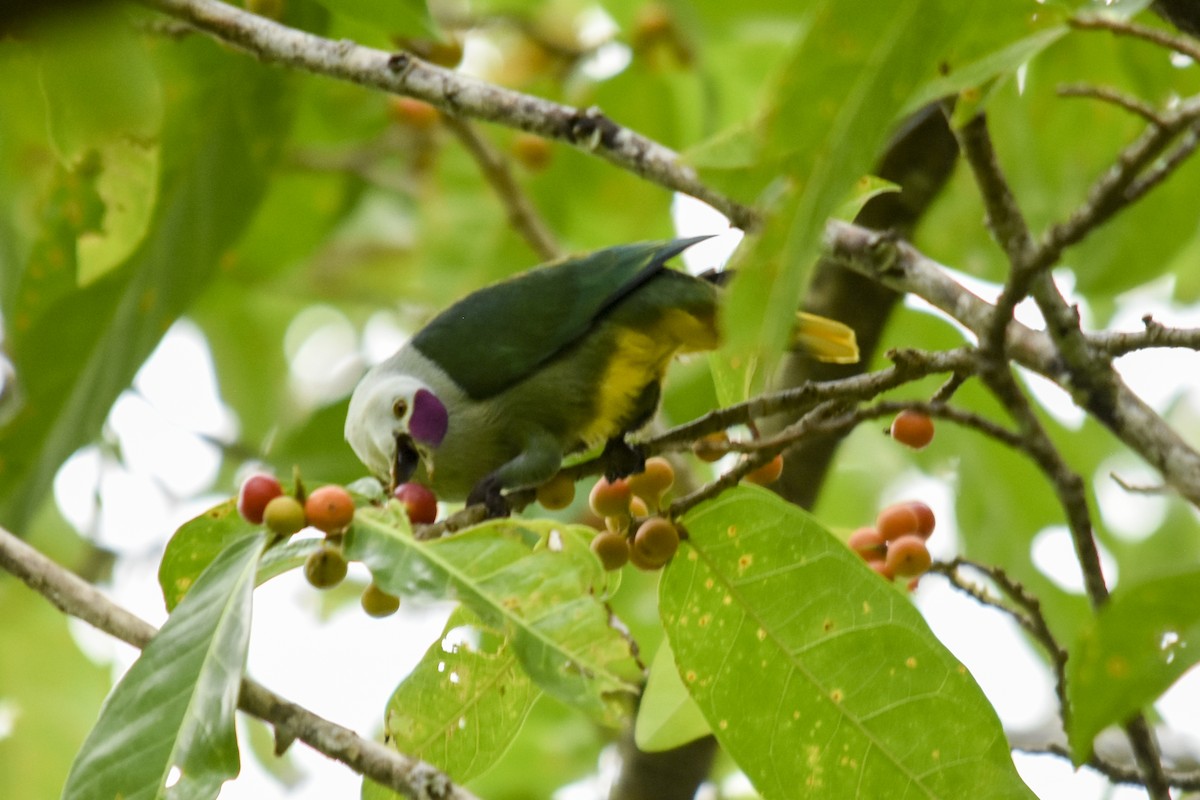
(895, 546)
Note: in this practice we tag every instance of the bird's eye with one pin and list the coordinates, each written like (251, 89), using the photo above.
(399, 407)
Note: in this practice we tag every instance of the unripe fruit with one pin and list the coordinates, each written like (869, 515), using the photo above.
(556, 493)
(415, 113)
(532, 152)
(284, 515)
(419, 501)
(711, 447)
(768, 472)
(612, 549)
(867, 543)
(378, 603)
(912, 428)
(325, 568)
(654, 481)
(638, 508)
(655, 542)
(329, 508)
(896, 521)
(256, 491)
(610, 498)
(908, 556)
(925, 518)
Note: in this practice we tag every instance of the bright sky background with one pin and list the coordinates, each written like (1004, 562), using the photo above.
(345, 666)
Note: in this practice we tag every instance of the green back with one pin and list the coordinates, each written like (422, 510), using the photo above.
(501, 334)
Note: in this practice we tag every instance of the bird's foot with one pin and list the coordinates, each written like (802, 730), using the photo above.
(622, 459)
(488, 494)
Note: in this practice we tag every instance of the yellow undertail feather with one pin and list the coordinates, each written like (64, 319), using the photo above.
(825, 339)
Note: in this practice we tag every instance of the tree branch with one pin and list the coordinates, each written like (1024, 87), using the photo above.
(75, 597)
(454, 93)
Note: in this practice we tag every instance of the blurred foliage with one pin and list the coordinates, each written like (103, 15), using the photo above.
(240, 195)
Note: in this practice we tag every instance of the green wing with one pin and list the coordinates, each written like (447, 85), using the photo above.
(499, 335)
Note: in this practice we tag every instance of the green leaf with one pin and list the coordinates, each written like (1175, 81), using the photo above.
(667, 717)
(815, 673)
(1140, 643)
(393, 17)
(534, 580)
(79, 353)
(196, 544)
(465, 702)
(171, 718)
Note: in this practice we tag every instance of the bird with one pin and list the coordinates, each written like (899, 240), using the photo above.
(495, 391)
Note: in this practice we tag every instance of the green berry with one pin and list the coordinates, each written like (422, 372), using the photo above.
(325, 568)
(284, 515)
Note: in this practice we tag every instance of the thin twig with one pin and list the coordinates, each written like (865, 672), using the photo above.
(1107, 94)
(1180, 44)
(521, 214)
(77, 598)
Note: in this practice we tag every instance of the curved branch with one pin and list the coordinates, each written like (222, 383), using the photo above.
(405, 74)
(75, 597)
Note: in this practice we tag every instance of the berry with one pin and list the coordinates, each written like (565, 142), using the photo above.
(881, 566)
(768, 472)
(610, 498)
(257, 490)
(378, 603)
(325, 568)
(867, 543)
(912, 428)
(532, 152)
(896, 521)
(638, 508)
(925, 518)
(654, 481)
(284, 515)
(556, 493)
(655, 542)
(415, 113)
(612, 549)
(908, 556)
(329, 508)
(420, 503)
(711, 447)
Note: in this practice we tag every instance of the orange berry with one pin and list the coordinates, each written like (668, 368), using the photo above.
(925, 518)
(654, 481)
(414, 113)
(612, 549)
(532, 152)
(912, 428)
(768, 472)
(867, 543)
(881, 567)
(908, 556)
(329, 508)
(656, 541)
(711, 447)
(556, 493)
(610, 498)
(896, 521)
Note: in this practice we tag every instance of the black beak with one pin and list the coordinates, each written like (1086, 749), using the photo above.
(406, 461)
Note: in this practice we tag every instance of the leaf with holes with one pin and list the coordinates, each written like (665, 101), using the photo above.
(168, 726)
(1139, 643)
(813, 672)
(536, 581)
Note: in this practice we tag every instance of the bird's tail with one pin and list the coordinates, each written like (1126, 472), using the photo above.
(825, 339)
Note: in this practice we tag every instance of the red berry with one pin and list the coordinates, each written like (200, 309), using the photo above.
(908, 556)
(329, 508)
(867, 543)
(768, 472)
(419, 502)
(655, 542)
(610, 498)
(896, 521)
(257, 490)
(612, 549)
(912, 428)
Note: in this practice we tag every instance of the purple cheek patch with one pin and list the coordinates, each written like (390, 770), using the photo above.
(429, 419)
